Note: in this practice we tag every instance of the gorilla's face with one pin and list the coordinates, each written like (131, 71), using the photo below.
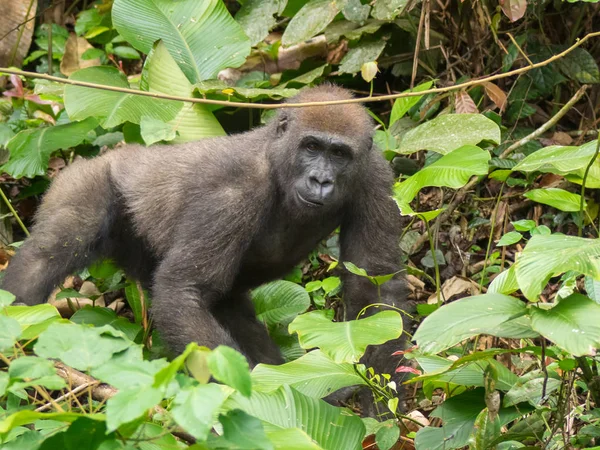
(323, 167)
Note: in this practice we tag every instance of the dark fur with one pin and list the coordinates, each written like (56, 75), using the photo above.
(202, 223)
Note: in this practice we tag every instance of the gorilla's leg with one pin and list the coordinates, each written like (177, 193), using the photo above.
(74, 216)
(182, 310)
(238, 316)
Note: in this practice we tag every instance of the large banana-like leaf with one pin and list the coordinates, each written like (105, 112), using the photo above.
(569, 161)
(201, 36)
(546, 256)
(332, 428)
(314, 374)
(448, 132)
(481, 314)
(113, 108)
(346, 341)
(452, 170)
(161, 74)
(573, 324)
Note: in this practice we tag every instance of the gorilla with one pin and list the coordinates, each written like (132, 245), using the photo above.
(200, 224)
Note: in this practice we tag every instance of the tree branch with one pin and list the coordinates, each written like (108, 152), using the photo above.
(379, 98)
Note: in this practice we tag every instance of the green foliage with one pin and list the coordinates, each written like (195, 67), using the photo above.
(345, 341)
(184, 46)
(30, 150)
(187, 30)
(442, 134)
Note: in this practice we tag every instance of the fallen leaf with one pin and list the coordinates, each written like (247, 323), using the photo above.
(497, 95)
(464, 104)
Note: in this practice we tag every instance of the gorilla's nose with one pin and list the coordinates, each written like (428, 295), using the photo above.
(321, 185)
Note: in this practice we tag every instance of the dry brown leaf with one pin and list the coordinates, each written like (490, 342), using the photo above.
(464, 104)
(74, 49)
(456, 286)
(497, 95)
(513, 9)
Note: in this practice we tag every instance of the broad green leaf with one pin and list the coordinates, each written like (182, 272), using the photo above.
(4, 378)
(564, 160)
(292, 439)
(524, 225)
(403, 105)
(486, 429)
(196, 408)
(468, 317)
(31, 367)
(256, 17)
(510, 238)
(330, 283)
(387, 436)
(314, 374)
(30, 149)
(471, 373)
(592, 288)
(99, 317)
(279, 302)
(25, 417)
(6, 298)
(154, 130)
(231, 368)
(34, 319)
(573, 324)
(312, 18)
(125, 372)
(458, 415)
(504, 283)
(448, 132)
(166, 374)
(79, 346)
(162, 74)
(201, 36)
(83, 433)
(130, 404)
(330, 427)
(113, 108)
(345, 341)
(364, 52)
(353, 268)
(530, 390)
(136, 302)
(579, 65)
(452, 170)
(10, 330)
(557, 198)
(244, 431)
(546, 256)
(388, 9)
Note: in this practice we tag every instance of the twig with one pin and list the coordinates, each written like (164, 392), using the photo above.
(462, 192)
(102, 392)
(380, 98)
(418, 46)
(13, 212)
(551, 122)
(583, 181)
(75, 391)
(516, 44)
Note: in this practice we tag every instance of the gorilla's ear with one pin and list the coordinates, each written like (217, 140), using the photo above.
(282, 123)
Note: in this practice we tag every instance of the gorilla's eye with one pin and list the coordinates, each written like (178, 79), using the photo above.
(339, 152)
(312, 147)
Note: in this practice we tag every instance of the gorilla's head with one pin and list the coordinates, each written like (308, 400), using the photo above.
(323, 147)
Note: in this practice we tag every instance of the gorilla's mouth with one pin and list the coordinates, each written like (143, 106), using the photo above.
(308, 202)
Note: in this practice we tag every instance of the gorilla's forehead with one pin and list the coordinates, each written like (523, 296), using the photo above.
(343, 120)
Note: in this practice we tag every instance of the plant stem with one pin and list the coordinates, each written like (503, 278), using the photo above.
(583, 181)
(14, 213)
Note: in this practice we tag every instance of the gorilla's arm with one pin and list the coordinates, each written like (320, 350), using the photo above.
(369, 238)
